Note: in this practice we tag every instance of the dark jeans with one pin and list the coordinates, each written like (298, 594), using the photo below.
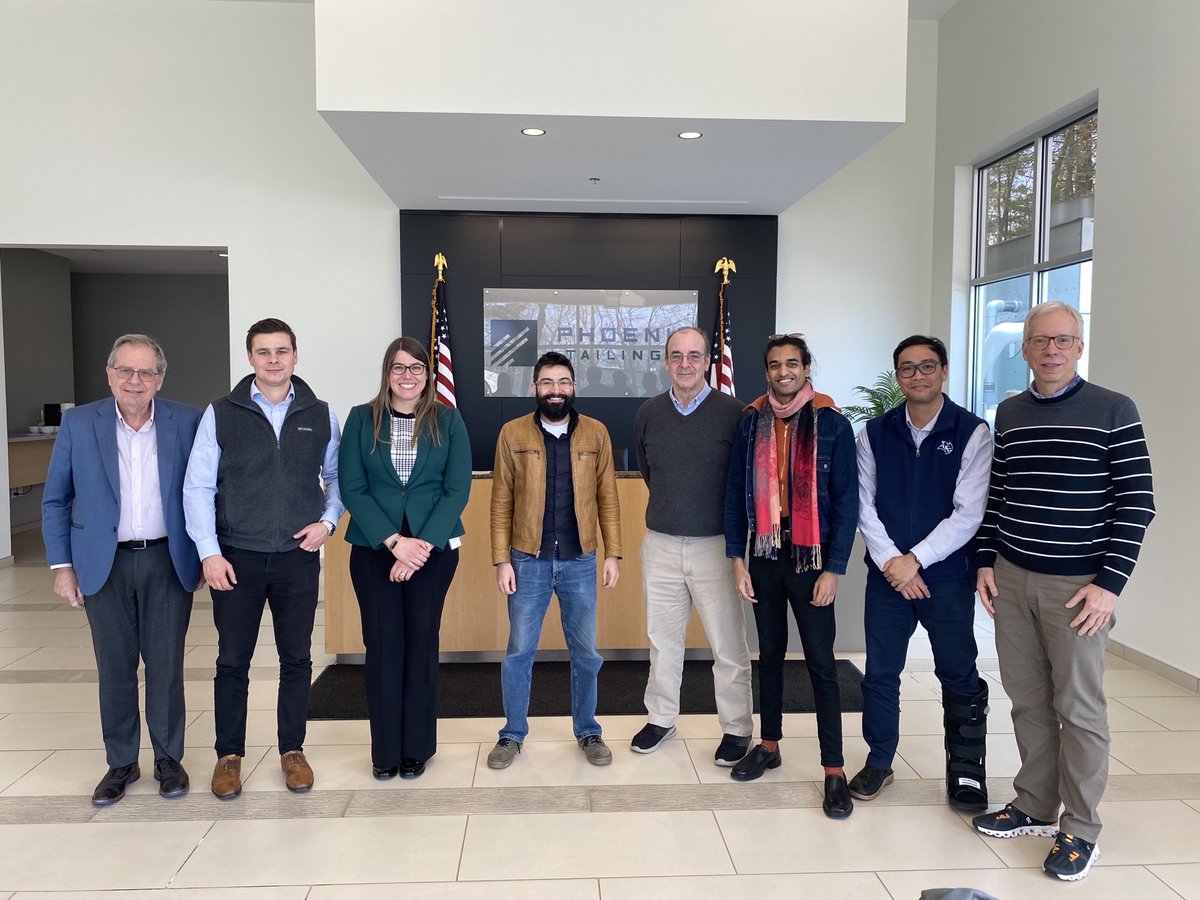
(288, 582)
(400, 624)
(777, 585)
(142, 610)
(948, 616)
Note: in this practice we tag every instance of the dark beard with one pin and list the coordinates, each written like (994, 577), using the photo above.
(552, 413)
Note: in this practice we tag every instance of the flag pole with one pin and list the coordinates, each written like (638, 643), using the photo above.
(439, 263)
(724, 265)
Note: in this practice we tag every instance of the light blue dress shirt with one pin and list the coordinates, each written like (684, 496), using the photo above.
(705, 390)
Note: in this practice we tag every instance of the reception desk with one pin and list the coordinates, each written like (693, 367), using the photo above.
(476, 615)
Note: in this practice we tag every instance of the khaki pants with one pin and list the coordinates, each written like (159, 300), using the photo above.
(1055, 679)
(677, 572)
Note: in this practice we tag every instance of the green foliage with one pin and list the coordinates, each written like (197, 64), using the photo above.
(883, 395)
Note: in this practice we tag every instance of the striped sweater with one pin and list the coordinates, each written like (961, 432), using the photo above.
(1071, 490)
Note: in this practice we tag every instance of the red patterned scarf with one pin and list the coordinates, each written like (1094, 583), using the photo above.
(805, 524)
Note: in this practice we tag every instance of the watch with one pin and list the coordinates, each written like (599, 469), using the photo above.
(331, 526)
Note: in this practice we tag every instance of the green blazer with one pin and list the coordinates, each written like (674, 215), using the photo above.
(435, 496)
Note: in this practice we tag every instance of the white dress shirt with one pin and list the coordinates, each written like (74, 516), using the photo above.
(141, 498)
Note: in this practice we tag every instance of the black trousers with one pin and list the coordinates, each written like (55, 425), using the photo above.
(400, 625)
(288, 582)
(142, 610)
(777, 585)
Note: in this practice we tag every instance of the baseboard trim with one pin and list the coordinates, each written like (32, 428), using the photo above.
(1157, 666)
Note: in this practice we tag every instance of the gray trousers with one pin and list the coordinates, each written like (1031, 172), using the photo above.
(677, 573)
(1055, 679)
(142, 611)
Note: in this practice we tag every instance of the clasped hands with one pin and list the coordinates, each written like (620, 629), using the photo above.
(903, 574)
(410, 554)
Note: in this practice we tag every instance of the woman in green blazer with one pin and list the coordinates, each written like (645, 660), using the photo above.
(404, 469)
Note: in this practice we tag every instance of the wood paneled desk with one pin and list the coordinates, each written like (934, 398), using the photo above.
(476, 615)
(29, 459)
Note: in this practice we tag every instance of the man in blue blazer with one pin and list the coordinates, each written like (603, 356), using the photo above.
(113, 524)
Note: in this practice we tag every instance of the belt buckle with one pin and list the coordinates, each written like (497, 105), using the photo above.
(144, 544)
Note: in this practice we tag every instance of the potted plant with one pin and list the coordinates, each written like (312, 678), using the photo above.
(883, 395)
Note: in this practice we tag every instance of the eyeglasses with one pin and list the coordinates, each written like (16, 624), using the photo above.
(546, 383)
(694, 357)
(417, 369)
(125, 373)
(1061, 341)
(908, 370)
(798, 335)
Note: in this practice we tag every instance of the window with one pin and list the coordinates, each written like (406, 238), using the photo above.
(1033, 243)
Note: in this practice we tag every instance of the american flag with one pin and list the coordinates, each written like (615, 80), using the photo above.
(720, 376)
(439, 342)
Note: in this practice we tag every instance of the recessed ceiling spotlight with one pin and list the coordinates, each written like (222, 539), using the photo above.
(533, 132)
(690, 135)
(224, 254)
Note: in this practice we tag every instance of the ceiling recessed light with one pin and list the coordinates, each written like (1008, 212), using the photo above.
(224, 254)
(690, 135)
(533, 132)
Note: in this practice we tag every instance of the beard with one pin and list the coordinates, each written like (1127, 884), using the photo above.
(550, 409)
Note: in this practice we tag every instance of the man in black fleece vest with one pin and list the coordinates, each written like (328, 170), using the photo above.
(261, 498)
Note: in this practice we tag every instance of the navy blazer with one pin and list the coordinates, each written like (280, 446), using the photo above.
(82, 497)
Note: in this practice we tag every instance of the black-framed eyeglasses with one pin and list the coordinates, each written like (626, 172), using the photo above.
(417, 369)
(125, 373)
(1061, 341)
(908, 370)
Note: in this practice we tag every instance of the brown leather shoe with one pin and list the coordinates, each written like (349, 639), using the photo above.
(297, 773)
(227, 777)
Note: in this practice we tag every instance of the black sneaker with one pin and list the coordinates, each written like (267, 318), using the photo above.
(1010, 822)
(1071, 858)
(172, 778)
(867, 784)
(650, 738)
(731, 750)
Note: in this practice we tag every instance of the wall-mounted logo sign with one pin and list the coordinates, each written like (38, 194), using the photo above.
(614, 338)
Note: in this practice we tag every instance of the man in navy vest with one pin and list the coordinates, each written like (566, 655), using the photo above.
(261, 497)
(923, 471)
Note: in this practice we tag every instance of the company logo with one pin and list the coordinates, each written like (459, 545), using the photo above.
(513, 342)
(946, 447)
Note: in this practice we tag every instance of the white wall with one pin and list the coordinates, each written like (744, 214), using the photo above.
(1003, 68)
(854, 254)
(138, 122)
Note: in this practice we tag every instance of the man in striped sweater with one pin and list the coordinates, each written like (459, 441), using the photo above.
(1070, 500)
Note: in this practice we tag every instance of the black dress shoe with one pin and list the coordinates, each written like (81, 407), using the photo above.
(112, 786)
(837, 804)
(172, 778)
(411, 768)
(385, 774)
(755, 763)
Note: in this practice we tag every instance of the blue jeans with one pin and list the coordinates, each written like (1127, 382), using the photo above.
(948, 616)
(574, 581)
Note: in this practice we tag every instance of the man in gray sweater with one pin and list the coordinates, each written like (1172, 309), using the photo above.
(683, 441)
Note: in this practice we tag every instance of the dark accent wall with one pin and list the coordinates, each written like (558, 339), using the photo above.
(187, 314)
(529, 250)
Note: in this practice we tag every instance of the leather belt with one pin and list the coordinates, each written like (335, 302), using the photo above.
(140, 545)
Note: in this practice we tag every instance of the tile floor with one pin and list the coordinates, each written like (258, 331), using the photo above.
(667, 826)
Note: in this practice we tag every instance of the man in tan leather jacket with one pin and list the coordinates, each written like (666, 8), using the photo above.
(553, 481)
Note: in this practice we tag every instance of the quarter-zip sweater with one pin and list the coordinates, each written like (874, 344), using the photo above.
(914, 486)
(269, 488)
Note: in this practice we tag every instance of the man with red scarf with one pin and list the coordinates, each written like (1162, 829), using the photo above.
(792, 494)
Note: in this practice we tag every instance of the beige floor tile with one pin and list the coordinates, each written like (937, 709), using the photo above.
(255, 893)
(1152, 753)
(1122, 716)
(1183, 879)
(469, 731)
(925, 717)
(49, 698)
(334, 731)
(57, 658)
(92, 857)
(10, 655)
(1175, 713)
(804, 840)
(326, 851)
(1112, 661)
(1122, 683)
(1116, 767)
(567, 845)
(80, 636)
(995, 686)
(16, 764)
(563, 763)
(65, 617)
(1102, 883)
(76, 772)
(926, 753)
(51, 731)
(801, 761)
(844, 886)
(342, 767)
(1136, 832)
(919, 686)
(576, 889)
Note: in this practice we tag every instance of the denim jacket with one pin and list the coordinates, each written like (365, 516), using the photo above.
(837, 484)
